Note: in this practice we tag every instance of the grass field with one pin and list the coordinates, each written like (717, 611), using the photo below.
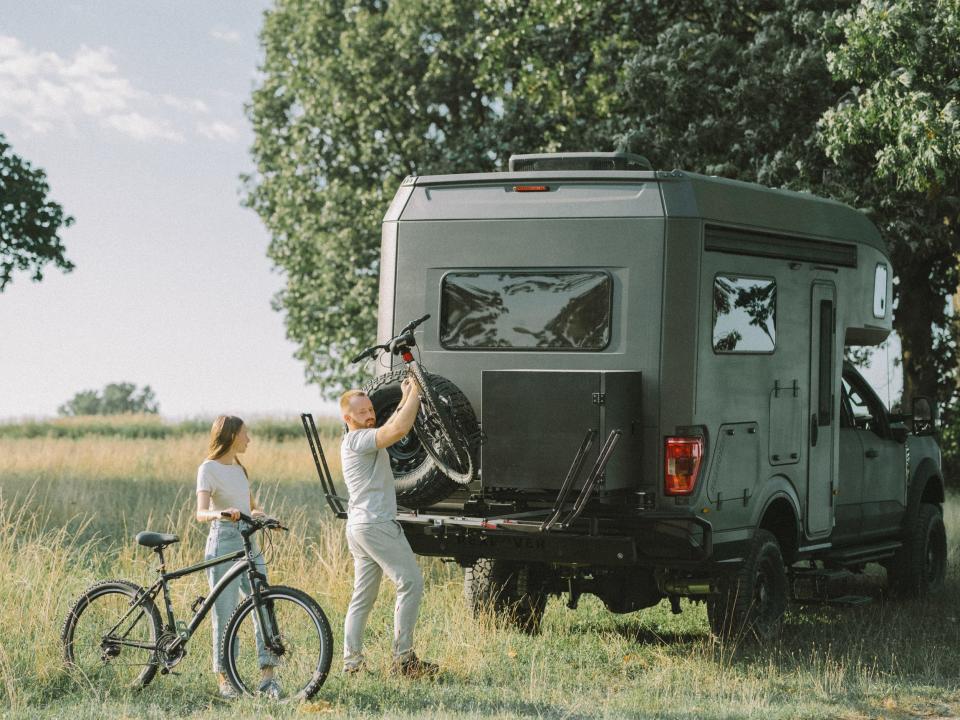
(69, 507)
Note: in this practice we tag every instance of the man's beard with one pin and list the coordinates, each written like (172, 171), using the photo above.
(371, 423)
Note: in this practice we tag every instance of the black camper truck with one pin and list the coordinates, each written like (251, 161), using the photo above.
(655, 388)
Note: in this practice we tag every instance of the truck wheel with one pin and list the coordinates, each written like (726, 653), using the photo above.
(419, 481)
(920, 566)
(512, 590)
(751, 602)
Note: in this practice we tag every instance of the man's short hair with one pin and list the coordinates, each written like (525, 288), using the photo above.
(347, 397)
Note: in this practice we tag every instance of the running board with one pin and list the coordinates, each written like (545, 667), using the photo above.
(866, 554)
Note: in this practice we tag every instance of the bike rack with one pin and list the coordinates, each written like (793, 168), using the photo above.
(320, 460)
(596, 473)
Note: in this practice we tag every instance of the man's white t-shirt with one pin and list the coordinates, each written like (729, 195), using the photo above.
(227, 484)
(369, 479)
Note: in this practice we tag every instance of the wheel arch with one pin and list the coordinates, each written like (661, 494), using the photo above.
(926, 486)
(779, 513)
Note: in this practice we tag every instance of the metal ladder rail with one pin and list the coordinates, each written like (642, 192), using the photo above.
(605, 452)
(320, 460)
(570, 480)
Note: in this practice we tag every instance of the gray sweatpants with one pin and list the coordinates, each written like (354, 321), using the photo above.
(379, 548)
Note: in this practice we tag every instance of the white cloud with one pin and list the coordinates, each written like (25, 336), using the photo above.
(225, 35)
(142, 128)
(192, 105)
(218, 130)
(45, 92)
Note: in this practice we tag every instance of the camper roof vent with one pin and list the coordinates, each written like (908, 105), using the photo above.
(579, 161)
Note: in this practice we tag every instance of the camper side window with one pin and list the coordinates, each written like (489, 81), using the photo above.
(744, 314)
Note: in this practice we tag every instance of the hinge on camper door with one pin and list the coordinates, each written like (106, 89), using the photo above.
(599, 398)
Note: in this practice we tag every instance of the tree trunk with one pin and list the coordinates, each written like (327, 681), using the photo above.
(919, 309)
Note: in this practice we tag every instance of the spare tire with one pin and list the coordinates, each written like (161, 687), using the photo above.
(419, 481)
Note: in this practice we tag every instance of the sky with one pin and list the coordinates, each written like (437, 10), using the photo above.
(135, 111)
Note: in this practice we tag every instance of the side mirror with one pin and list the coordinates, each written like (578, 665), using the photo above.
(924, 419)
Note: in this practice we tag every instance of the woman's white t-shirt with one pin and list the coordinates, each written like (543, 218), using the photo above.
(227, 484)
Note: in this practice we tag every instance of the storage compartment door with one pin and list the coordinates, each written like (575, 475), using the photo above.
(533, 422)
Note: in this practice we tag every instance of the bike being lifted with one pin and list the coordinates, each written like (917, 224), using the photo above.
(440, 454)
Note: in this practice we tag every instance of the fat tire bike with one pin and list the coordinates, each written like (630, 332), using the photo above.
(445, 425)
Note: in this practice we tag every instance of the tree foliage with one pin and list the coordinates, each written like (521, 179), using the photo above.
(115, 399)
(29, 221)
(356, 95)
(895, 138)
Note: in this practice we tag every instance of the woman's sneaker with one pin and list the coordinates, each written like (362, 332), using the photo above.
(411, 666)
(226, 690)
(271, 688)
(355, 668)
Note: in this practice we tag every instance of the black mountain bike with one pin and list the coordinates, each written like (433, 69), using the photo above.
(446, 425)
(114, 636)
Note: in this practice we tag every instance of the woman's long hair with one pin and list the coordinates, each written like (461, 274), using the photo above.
(222, 434)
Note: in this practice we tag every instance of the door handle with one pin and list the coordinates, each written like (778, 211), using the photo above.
(871, 453)
(814, 430)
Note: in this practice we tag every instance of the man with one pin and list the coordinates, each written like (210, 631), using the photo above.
(375, 538)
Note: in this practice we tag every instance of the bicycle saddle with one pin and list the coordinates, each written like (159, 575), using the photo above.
(155, 539)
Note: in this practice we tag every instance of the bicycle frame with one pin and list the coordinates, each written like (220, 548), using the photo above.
(244, 563)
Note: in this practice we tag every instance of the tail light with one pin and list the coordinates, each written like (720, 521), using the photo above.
(682, 457)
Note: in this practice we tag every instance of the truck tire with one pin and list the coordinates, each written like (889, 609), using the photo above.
(751, 602)
(419, 481)
(514, 591)
(919, 568)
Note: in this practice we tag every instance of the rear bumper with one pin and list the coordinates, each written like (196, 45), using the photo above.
(650, 540)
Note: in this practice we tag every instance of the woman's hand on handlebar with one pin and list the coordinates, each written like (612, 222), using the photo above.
(231, 514)
(258, 518)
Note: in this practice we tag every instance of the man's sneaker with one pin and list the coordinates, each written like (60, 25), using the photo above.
(411, 666)
(270, 687)
(355, 668)
(226, 690)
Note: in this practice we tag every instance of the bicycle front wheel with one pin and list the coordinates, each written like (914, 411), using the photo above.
(440, 432)
(110, 637)
(294, 638)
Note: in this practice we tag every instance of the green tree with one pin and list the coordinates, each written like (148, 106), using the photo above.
(29, 221)
(895, 138)
(115, 399)
(357, 95)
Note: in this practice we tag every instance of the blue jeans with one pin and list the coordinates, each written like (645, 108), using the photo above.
(225, 538)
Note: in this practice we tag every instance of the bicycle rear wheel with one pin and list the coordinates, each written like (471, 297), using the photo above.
(297, 640)
(109, 642)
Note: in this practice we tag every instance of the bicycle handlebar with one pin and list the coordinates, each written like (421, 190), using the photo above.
(267, 523)
(409, 327)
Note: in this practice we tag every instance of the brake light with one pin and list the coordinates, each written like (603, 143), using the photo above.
(531, 188)
(681, 456)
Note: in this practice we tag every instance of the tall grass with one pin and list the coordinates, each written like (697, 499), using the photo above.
(69, 508)
(133, 426)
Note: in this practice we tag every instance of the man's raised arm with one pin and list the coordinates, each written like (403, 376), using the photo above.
(402, 420)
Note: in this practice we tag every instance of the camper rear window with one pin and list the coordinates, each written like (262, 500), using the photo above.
(744, 314)
(526, 310)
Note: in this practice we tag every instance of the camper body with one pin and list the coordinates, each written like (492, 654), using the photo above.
(705, 321)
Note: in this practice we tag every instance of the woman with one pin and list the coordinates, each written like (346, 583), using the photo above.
(223, 492)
